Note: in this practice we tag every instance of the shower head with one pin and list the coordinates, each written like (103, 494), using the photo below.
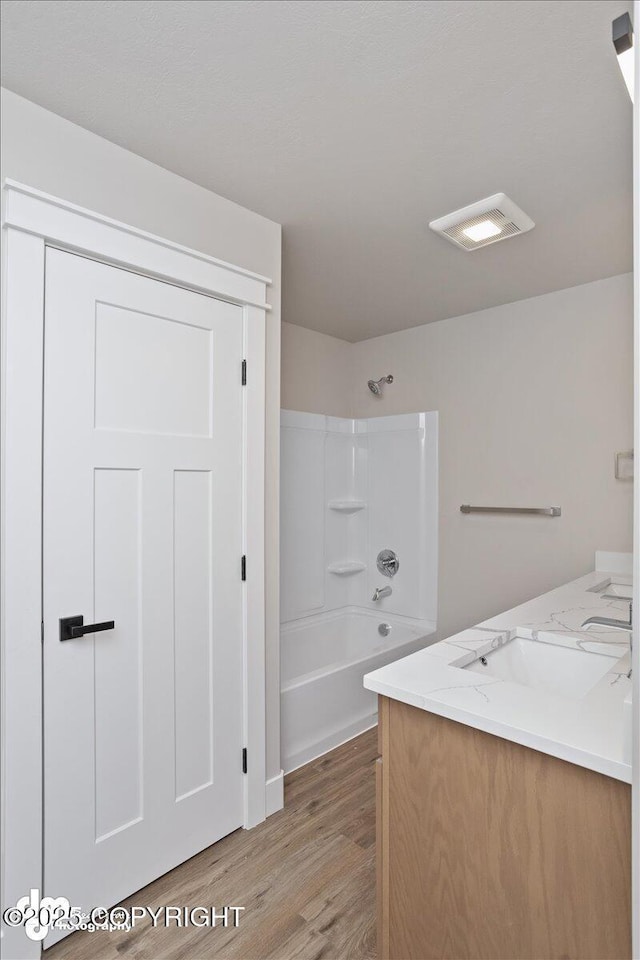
(376, 385)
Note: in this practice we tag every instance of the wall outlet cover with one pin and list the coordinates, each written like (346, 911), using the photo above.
(624, 465)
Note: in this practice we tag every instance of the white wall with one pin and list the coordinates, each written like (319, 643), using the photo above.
(316, 372)
(44, 151)
(535, 399)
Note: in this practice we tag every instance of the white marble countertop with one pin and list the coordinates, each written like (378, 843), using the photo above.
(590, 731)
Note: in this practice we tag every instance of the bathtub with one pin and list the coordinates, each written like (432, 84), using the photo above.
(323, 659)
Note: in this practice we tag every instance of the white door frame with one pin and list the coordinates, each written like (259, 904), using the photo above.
(635, 658)
(33, 220)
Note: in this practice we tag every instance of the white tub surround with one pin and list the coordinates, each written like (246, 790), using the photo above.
(323, 661)
(349, 489)
(589, 730)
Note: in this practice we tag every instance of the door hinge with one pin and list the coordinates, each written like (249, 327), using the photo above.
(244, 373)
(243, 568)
(244, 759)
(42, 632)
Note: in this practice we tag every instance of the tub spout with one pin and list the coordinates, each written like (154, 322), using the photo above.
(381, 592)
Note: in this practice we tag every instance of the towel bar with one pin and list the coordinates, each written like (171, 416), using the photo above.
(542, 511)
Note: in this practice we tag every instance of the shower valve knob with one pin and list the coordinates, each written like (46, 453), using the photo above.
(387, 563)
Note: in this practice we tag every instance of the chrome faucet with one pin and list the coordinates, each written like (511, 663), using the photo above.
(380, 592)
(614, 625)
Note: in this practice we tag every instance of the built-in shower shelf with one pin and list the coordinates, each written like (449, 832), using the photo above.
(345, 568)
(347, 506)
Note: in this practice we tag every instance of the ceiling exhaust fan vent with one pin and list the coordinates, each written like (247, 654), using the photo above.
(487, 221)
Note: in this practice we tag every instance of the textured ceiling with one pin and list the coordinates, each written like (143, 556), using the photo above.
(355, 123)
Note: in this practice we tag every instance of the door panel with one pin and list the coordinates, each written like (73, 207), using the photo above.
(117, 662)
(159, 401)
(142, 525)
(193, 601)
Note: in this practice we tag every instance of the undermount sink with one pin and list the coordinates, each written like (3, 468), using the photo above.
(562, 670)
(613, 590)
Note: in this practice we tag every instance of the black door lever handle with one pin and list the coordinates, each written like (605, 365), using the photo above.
(71, 628)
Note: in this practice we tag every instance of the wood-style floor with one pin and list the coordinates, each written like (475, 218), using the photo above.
(306, 878)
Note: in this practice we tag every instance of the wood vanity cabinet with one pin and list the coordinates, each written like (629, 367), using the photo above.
(488, 850)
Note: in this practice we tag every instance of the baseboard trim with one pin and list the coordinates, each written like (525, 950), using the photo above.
(336, 739)
(274, 794)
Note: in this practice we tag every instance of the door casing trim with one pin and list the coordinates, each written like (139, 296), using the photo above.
(33, 220)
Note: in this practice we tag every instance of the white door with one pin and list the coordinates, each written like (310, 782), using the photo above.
(143, 441)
